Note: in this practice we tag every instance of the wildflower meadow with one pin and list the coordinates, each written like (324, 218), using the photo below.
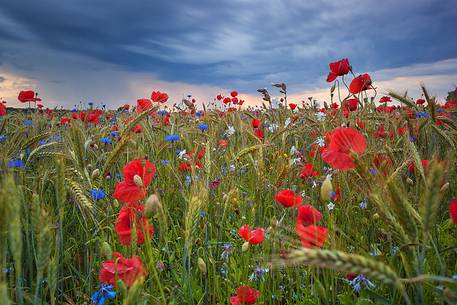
(347, 201)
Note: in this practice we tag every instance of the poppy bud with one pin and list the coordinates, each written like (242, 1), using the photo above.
(444, 187)
(326, 189)
(245, 247)
(152, 205)
(138, 181)
(201, 265)
(106, 250)
(95, 174)
(375, 216)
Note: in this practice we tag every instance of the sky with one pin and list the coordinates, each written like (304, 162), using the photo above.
(114, 52)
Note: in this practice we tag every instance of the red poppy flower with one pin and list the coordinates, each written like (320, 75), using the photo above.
(343, 143)
(159, 97)
(385, 109)
(255, 123)
(292, 106)
(245, 295)
(235, 100)
(185, 167)
(308, 215)
(65, 121)
(143, 104)
(453, 210)
(128, 190)
(254, 237)
(39, 106)
(2, 109)
(126, 106)
(219, 97)
(449, 105)
(93, 116)
(351, 104)
(308, 171)
(385, 99)
(227, 100)
(27, 96)
(240, 102)
(359, 123)
(311, 236)
(420, 101)
(380, 133)
(338, 68)
(222, 143)
(129, 214)
(287, 198)
(259, 133)
(233, 94)
(125, 269)
(360, 83)
(138, 128)
(401, 130)
(411, 166)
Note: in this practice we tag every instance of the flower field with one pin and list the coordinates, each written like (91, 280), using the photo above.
(348, 201)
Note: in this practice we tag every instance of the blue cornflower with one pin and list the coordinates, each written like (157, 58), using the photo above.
(42, 142)
(74, 110)
(105, 292)
(188, 180)
(162, 112)
(106, 140)
(454, 277)
(3, 137)
(364, 203)
(412, 139)
(332, 195)
(16, 163)
(440, 110)
(164, 162)
(422, 115)
(202, 214)
(202, 127)
(199, 113)
(226, 251)
(28, 123)
(373, 171)
(360, 282)
(259, 273)
(172, 138)
(394, 250)
(97, 194)
(114, 134)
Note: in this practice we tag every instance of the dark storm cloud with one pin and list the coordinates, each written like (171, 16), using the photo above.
(240, 44)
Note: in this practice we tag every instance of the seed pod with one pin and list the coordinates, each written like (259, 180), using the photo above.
(152, 205)
(245, 247)
(201, 265)
(138, 181)
(106, 250)
(95, 174)
(326, 189)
